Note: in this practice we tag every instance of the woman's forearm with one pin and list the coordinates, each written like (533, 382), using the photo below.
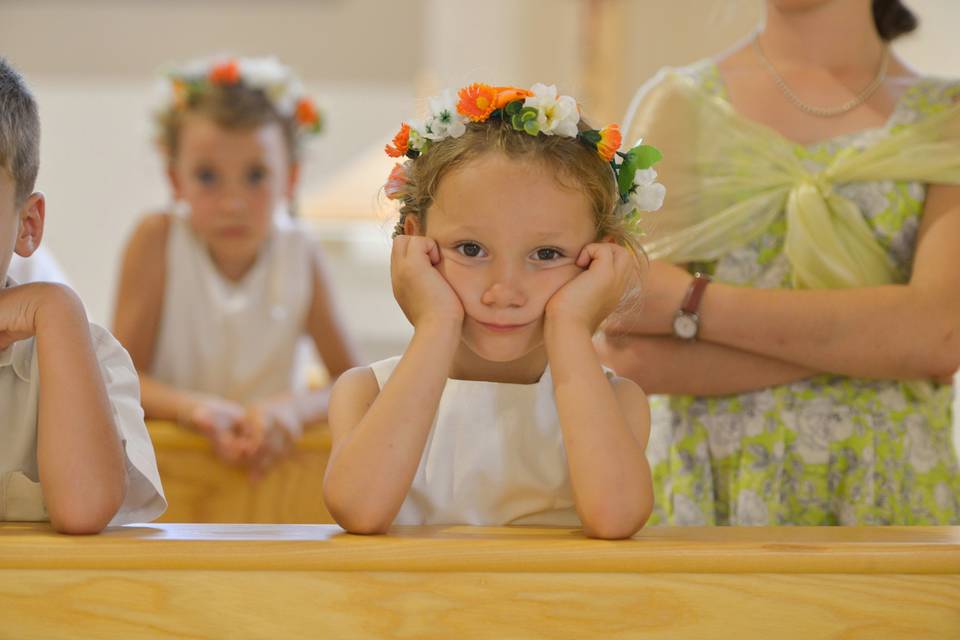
(666, 365)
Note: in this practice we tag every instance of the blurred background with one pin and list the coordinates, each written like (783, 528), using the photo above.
(93, 65)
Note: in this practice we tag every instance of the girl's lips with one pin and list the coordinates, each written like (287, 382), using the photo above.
(502, 328)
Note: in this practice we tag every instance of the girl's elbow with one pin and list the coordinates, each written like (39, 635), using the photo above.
(356, 518)
(616, 522)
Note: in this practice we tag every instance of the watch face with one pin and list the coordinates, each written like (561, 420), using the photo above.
(685, 326)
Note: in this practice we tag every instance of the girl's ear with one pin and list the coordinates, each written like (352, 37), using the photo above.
(30, 228)
(608, 238)
(293, 179)
(174, 181)
(411, 226)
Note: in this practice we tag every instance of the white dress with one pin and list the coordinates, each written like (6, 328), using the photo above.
(494, 456)
(244, 340)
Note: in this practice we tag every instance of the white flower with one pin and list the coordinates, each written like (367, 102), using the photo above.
(646, 194)
(556, 115)
(418, 135)
(263, 73)
(444, 120)
(648, 197)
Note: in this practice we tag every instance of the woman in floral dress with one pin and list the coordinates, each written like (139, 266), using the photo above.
(814, 177)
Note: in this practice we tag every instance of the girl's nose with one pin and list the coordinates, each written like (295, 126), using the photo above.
(503, 293)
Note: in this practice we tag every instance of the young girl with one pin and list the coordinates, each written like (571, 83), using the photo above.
(512, 248)
(216, 294)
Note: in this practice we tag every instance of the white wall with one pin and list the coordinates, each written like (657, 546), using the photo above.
(369, 63)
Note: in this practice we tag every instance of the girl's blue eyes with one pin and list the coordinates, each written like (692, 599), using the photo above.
(470, 249)
(209, 177)
(547, 253)
(474, 250)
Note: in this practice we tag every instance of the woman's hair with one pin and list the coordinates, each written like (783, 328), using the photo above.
(573, 164)
(893, 19)
(233, 107)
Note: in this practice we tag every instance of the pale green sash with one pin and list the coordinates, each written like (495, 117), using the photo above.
(728, 178)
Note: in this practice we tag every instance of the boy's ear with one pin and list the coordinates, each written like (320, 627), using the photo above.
(293, 179)
(30, 229)
(411, 226)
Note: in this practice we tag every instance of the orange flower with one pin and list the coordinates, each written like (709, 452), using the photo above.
(307, 113)
(506, 95)
(225, 73)
(477, 101)
(396, 183)
(401, 142)
(181, 94)
(610, 140)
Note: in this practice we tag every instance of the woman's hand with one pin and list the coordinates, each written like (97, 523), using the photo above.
(609, 272)
(421, 290)
(664, 287)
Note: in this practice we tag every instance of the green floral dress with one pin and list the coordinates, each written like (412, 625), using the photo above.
(831, 449)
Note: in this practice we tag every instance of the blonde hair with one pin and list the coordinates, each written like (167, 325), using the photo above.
(233, 107)
(573, 164)
(19, 132)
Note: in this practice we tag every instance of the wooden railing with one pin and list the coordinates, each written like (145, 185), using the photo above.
(314, 581)
(201, 488)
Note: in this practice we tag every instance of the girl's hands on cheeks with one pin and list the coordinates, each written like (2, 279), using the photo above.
(586, 300)
(421, 290)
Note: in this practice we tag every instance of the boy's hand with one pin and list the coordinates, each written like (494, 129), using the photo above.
(421, 290)
(585, 301)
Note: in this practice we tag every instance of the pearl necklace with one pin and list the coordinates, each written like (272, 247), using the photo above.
(823, 112)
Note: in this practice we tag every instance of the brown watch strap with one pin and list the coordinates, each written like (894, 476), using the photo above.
(692, 300)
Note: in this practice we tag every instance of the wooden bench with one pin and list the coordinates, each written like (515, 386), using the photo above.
(314, 581)
(201, 488)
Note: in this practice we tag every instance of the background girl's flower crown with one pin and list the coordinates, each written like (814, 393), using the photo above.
(536, 111)
(268, 75)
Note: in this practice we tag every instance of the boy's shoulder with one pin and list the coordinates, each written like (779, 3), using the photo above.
(110, 354)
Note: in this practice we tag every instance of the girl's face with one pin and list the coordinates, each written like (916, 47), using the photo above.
(509, 234)
(233, 181)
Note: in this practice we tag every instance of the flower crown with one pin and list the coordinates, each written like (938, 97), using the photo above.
(275, 80)
(536, 111)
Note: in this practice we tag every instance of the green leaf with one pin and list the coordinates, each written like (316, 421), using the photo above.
(640, 157)
(532, 127)
(513, 108)
(591, 136)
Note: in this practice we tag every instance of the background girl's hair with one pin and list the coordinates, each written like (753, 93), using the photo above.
(573, 164)
(235, 107)
(893, 19)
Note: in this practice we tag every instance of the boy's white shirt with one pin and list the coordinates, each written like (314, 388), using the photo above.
(21, 497)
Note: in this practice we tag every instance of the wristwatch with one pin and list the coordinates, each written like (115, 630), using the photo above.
(686, 324)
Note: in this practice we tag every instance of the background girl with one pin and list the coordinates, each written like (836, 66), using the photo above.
(215, 295)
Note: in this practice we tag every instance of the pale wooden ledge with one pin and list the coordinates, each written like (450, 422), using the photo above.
(846, 550)
(314, 581)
